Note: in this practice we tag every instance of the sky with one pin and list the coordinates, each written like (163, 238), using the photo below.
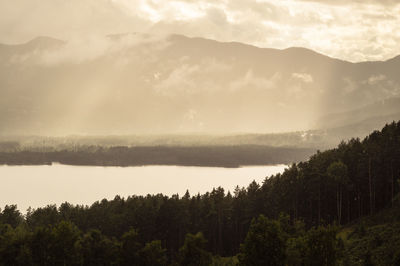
(352, 30)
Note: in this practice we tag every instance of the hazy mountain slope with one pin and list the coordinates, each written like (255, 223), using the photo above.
(127, 84)
(389, 108)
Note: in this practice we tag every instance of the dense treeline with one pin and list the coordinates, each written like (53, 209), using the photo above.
(268, 242)
(339, 186)
(225, 156)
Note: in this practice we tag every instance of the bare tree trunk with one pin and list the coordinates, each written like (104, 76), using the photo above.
(319, 204)
(295, 210)
(391, 166)
(339, 196)
(361, 206)
(340, 206)
(348, 208)
(220, 219)
(371, 208)
(338, 203)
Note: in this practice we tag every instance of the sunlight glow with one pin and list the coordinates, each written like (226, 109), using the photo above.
(349, 30)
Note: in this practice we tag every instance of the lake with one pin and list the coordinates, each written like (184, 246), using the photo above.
(38, 186)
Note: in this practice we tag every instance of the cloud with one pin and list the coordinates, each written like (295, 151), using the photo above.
(77, 51)
(89, 48)
(191, 79)
(178, 82)
(374, 87)
(217, 16)
(304, 77)
(373, 80)
(353, 30)
(350, 2)
(251, 82)
(22, 20)
(349, 86)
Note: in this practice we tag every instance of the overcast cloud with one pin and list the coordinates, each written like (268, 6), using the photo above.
(352, 30)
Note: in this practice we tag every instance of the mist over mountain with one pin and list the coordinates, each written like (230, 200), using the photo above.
(139, 84)
(383, 110)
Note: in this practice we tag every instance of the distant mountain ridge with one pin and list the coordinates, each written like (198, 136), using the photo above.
(138, 83)
(41, 43)
(49, 42)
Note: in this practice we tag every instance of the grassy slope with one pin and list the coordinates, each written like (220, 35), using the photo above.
(376, 236)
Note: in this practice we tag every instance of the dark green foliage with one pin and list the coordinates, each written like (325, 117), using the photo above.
(396, 258)
(224, 261)
(322, 247)
(41, 246)
(193, 252)
(367, 261)
(55, 245)
(153, 254)
(46, 216)
(130, 248)
(264, 244)
(97, 249)
(14, 246)
(11, 215)
(295, 251)
(65, 236)
(379, 246)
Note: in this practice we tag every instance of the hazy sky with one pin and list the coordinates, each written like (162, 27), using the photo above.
(354, 30)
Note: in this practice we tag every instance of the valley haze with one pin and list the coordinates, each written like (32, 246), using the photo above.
(171, 84)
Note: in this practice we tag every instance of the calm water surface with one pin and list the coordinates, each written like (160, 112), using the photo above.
(38, 186)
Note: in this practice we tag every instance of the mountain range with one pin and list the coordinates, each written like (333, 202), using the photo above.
(141, 84)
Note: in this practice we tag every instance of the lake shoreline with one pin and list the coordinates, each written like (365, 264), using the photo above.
(144, 165)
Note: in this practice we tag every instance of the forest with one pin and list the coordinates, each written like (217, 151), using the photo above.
(340, 207)
(221, 156)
